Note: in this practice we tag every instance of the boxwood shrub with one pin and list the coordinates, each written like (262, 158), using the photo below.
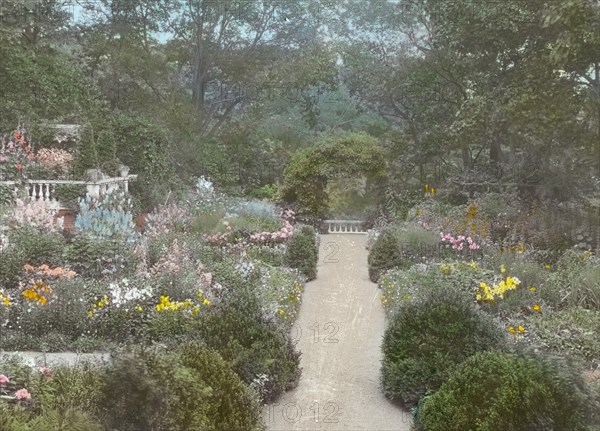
(385, 254)
(498, 391)
(428, 338)
(302, 252)
(189, 389)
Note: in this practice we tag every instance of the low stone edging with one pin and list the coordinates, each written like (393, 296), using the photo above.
(41, 359)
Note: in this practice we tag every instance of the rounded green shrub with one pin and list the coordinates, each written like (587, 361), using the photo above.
(385, 254)
(302, 252)
(427, 338)
(232, 405)
(254, 345)
(495, 391)
(190, 389)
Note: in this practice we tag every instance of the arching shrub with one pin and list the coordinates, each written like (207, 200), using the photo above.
(426, 339)
(495, 391)
(348, 155)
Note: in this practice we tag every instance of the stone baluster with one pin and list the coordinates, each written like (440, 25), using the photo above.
(47, 192)
(93, 190)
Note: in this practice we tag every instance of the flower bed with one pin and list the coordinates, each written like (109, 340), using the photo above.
(168, 286)
(551, 308)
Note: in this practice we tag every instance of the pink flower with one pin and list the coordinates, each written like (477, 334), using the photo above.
(19, 167)
(11, 145)
(23, 394)
(31, 157)
(3, 379)
(46, 372)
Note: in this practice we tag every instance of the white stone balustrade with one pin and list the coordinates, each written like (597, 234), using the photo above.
(46, 189)
(344, 226)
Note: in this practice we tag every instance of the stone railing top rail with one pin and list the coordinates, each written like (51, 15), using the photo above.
(344, 221)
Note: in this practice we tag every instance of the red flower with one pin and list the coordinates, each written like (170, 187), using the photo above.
(17, 134)
(19, 167)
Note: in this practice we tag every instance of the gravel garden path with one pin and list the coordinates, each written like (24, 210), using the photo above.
(339, 332)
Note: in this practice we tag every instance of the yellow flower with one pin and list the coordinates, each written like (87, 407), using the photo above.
(511, 330)
(432, 191)
(521, 329)
(532, 288)
(90, 313)
(426, 188)
(536, 308)
(164, 304)
(281, 312)
(586, 255)
(206, 302)
(445, 269)
(548, 265)
(502, 268)
(472, 211)
(32, 295)
(138, 308)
